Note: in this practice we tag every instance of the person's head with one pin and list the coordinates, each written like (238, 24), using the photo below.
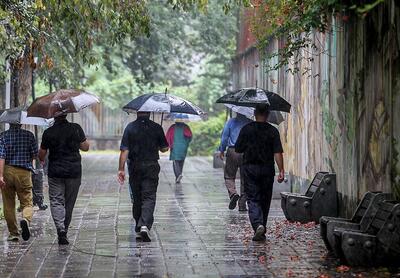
(15, 125)
(60, 117)
(261, 112)
(143, 115)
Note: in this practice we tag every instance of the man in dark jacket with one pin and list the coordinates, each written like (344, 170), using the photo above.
(260, 144)
(63, 141)
(141, 142)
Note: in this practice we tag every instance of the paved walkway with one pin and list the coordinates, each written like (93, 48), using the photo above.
(194, 235)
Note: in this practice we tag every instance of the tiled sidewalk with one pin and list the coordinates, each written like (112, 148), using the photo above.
(194, 235)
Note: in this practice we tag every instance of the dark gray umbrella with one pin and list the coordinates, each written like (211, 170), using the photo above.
(275, 117)
(250, 97)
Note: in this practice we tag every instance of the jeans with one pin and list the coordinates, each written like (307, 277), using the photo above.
(259, 182)
(232, 165)
(143, 180)
(18, 182)
(178, 167)
(62, 195)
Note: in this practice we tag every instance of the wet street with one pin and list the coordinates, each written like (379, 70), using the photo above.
(194, 234)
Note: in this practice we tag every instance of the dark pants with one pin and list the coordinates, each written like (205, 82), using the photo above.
(178, 167)
(258, 187)
(143, 180)
(62, 195)
(37, 189)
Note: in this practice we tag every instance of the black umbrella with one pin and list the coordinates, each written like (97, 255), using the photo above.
(250, 97)
(162, 103)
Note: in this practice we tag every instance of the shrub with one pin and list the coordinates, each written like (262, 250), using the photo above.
(206, 135)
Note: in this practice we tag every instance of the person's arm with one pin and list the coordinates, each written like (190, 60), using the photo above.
(83, 142)
(279, 162)
(278, 154)
(2, 182)
(84, 146)
(123, 156)
(162, 141)
(224, 140)
(42, 155)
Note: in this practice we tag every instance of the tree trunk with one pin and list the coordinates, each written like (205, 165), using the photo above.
(21, 80)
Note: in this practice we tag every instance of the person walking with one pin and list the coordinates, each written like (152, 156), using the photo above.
(178, 137)
(141, 142)
(260, 144)
(63, 141)
(233, 162)
(18, 149)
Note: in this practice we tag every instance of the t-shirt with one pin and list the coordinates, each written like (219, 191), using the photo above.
(143, 139)
(259, 142)
(63, 140)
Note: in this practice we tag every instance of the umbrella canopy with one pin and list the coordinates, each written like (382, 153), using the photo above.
(61, 102)
(162, 103)
(275, 117)
(250, 97)
(19, 116)
(180, 117)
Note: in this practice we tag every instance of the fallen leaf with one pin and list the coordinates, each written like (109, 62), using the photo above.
(342, 268)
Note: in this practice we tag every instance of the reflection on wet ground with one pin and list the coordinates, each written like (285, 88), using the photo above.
(194, 235)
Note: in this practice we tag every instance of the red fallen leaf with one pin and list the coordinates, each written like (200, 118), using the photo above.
(292, 237)
(289, 273)
(342, 268)
(261, 259)
(294, 258)
(324, 276)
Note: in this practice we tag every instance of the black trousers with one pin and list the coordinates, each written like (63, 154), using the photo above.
(143, 180)
(178, 167)
(258, 183)
(37, 187)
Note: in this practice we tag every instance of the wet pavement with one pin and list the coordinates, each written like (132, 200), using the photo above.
(194, 234)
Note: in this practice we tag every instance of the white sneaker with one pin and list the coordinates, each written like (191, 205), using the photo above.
(138, 235)
(12, 238)
(144, 232)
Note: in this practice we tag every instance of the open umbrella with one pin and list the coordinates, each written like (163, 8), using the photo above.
(18, 115)
(180, 117)
(61, 102)
(250, 97)
(275, 117)
(162, 103)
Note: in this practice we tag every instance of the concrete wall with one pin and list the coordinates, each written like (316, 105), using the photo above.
(346, 108)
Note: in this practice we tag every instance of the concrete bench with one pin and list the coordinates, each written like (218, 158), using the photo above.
(379, 244)
(319, 200)
(361, 217)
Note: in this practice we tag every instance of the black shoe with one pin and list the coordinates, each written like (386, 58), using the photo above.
(233, 202)
(144, 232)
(62, 238)
(42, 207)
(259, 234)
(242, 208)
(26, 233)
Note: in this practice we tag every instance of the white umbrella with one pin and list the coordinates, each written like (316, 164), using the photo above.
(275, 117)
(19, 116)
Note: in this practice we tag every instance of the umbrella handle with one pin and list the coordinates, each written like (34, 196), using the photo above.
(162, 118)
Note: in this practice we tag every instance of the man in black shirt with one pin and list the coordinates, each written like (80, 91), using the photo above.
(63, 141)
(141, 142)
(260, 143)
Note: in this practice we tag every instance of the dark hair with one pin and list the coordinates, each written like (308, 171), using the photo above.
(61, 117)
(262, 109)
(141, 114)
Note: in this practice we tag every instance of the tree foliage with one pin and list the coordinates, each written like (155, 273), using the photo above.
(295, 20)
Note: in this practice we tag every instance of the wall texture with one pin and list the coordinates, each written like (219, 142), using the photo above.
(346, 109)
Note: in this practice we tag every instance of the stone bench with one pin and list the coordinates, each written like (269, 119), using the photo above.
(319, 200)
(360, 218)
(378, 245)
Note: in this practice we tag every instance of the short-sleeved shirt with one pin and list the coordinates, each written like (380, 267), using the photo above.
(63, 141)
(143, 139)
(18, 147)
(259, 142)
